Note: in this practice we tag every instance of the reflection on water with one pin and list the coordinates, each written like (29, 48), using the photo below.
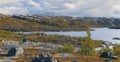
(99, 34)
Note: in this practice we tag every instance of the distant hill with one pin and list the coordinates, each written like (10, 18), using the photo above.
(58, 23)
(12, 24)
(53, 23)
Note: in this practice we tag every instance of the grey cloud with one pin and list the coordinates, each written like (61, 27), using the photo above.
(93, 8)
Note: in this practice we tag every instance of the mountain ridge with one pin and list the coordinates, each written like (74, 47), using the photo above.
(53, 23)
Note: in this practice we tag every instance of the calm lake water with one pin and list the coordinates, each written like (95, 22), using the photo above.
(99, 34)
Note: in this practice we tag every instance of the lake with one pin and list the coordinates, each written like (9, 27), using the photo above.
(105, 34)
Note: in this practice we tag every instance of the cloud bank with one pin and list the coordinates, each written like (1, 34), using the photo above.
(90, 8)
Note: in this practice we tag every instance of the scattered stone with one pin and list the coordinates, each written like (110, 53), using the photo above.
(44, 57)
(75, 60)
(7, 42)
(64, 55)
(24, 40)
(43, 48)
(109, 57)
(2, 40)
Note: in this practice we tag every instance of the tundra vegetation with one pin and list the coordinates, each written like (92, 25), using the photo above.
(10, 24)
(86, 44)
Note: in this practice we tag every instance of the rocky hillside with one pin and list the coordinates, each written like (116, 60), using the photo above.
(58, 23)
(53, 23)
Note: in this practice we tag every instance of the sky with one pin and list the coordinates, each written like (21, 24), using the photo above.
(82, 8)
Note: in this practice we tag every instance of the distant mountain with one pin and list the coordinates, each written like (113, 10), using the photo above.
(53, 23)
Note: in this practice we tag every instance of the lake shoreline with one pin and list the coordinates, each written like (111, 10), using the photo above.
(105, 34)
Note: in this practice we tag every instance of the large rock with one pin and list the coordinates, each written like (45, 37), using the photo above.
(44, 57)
(12, 52)
(15, 51)
(109, 57)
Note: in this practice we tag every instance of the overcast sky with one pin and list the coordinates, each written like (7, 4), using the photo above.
(91, 8)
